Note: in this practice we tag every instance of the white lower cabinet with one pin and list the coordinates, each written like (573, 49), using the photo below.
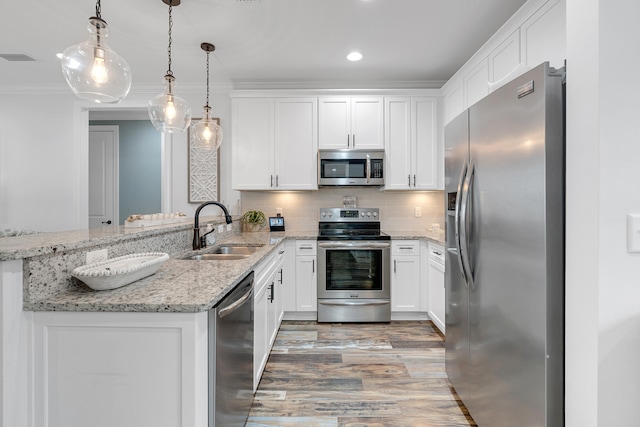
(306, 276)
(120, 369)
(405, 275)
(436, 302)
(268, 309)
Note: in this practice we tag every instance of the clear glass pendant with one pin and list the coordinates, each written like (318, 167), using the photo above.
(206, 134)
(167, 111)
(93, 70)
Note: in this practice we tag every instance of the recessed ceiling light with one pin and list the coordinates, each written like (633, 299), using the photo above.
(354, 56)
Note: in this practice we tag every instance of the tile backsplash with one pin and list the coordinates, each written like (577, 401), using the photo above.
(397, 209)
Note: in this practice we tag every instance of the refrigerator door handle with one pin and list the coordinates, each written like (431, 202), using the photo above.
(457, 228)
(464, 219)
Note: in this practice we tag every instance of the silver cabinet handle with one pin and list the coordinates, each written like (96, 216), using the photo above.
(409, 178)
(394, 266)
(414, 180)
(313, 265)
(354, 140)
(348, 146)
(271, 185)
(277, 184)
(405, 247)
(271, 288)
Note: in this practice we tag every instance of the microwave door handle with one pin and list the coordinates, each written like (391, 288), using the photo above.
(368, 167)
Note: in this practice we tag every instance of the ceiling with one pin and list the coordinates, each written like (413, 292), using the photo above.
(259, 43)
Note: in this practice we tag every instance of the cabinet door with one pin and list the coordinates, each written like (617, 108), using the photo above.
(367, 123)
(397, 130)
(424, 135)
(436, 294)
(405, 283)
(272, 310)
(476, 83)
(289, 276)
(296, 144)
(334, 123)
(252, 148)
(260, 333)
(306, 284)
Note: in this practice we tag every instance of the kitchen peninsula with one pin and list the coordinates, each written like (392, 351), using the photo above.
(136, 354)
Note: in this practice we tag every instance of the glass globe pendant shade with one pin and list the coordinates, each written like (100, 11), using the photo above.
(167, 111)
(206, 134)
(93, 70)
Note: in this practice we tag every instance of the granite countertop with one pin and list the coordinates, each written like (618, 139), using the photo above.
(437, 237)
(179, 286)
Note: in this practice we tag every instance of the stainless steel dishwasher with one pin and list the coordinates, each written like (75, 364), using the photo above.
(231, 357)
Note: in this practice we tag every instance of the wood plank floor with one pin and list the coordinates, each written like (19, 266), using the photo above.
(357, 375)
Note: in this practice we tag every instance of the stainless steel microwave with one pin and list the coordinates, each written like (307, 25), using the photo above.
(351, 168)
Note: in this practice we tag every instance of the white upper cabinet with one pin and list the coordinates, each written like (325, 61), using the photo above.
(296, 143)
(411, 143)
(534, 34)
(253, 144)
(476, 83)
(351, 123)
(267, 134)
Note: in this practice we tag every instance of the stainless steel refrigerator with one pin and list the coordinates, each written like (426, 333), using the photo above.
(504, 283)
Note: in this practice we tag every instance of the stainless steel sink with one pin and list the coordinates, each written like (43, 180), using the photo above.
(226, 253)
(215, 257)
(237, 249)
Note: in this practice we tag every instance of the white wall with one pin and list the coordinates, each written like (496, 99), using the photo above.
(36, 153)
(43, 158)
(603, 280)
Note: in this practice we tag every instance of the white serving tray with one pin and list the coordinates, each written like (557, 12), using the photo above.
(116, 272)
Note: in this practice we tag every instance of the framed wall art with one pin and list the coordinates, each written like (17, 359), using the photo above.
(204, 172)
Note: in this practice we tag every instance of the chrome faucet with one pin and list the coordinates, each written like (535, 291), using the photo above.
(198, 242)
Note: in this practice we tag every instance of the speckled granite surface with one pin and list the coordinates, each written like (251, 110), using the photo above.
(178, 286)
(416, 235)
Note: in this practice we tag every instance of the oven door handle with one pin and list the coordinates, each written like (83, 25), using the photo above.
(353, 303)
(354, 245)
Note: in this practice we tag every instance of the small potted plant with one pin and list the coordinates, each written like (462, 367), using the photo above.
(253, 221)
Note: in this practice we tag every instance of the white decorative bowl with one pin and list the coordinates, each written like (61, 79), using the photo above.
(116, 272)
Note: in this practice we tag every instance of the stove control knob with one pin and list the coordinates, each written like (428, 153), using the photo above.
(369, 214)
(362, 214)
(375, 214)
(330, 214)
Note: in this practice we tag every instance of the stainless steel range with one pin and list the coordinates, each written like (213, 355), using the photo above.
(353, 266)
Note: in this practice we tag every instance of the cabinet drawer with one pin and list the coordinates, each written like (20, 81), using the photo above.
(436, 253)
(405, 247)
(305, 247)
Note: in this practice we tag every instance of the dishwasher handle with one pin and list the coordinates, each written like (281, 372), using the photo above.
(247, 282)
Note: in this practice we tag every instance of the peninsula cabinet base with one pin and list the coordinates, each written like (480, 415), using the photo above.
(120, 369)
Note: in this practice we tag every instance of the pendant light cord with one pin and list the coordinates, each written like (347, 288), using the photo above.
(169, 72)
(98, 10)
(208, 52)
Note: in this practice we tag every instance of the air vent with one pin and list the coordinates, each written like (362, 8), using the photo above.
(16, 57)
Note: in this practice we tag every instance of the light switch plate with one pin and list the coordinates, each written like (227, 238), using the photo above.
(99, 255)
(633, 233)
(220, 228)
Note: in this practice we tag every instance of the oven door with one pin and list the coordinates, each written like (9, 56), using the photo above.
(354, 269)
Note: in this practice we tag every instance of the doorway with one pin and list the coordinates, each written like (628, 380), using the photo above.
(138, 166)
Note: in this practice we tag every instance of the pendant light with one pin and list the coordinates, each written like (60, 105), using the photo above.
(92, 69)
(206, 134)
(167, 111)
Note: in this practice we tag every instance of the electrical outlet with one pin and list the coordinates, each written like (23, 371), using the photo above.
(418, 211)
(278, 211)
(220, 228)
(95, 256)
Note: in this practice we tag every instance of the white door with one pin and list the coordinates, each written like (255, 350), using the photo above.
(103, 176)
